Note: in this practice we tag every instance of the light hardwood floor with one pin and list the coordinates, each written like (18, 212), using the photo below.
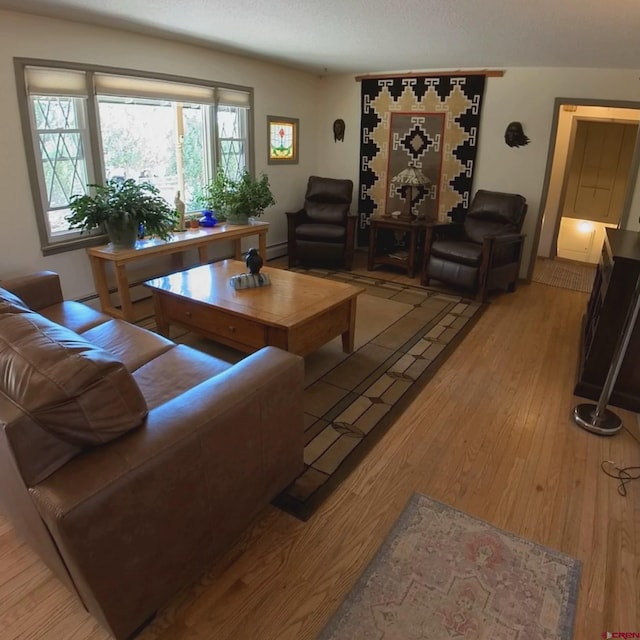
(490, 434)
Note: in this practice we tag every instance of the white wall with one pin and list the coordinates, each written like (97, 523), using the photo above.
(523, 94)
(277, 91)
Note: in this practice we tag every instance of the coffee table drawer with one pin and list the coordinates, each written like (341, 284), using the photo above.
(217, 323)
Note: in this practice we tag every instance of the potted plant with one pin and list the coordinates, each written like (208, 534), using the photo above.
(237, 200)
(122, 207)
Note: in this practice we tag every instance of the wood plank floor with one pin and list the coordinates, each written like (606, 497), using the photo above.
(490, 434)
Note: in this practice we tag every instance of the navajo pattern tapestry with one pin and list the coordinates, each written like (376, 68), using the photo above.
(429, 122)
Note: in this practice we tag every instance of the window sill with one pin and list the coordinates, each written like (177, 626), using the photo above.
(73, 245)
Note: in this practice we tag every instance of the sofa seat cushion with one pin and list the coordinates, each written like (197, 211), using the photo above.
(75, 316)
(69, 387)
(468, 253)
(175, 372)
(132, 345)
(321, 232)
(10, 303)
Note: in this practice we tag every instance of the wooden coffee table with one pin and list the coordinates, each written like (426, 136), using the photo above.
(296, 312)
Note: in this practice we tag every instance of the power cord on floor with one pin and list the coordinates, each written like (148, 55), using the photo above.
(623, 475)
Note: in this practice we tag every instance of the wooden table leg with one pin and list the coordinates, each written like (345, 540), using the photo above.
(237, 249)
(162, 323)
(123, 291)
(373, 242)
(262, 245)
(411, 265)
(348, 337)
(100, 279)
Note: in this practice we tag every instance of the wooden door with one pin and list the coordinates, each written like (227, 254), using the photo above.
(598, 170)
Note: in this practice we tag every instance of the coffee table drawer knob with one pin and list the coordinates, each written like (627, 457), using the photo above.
(232, 329)
(187, 313)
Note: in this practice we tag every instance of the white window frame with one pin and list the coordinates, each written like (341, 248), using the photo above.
(45, 77)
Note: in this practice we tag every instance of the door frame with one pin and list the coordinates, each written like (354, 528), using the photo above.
(633, 170)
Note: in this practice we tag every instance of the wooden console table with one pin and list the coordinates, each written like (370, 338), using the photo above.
(199, 239)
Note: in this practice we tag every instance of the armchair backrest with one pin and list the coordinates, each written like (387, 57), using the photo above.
(494, 213)
(328, 200)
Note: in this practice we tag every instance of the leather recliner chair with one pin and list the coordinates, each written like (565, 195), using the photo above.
(323, 230)
(483, 252)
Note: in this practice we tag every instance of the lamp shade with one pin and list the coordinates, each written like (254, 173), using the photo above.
(412, 177)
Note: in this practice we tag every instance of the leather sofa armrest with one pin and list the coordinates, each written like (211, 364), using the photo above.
(37, 290)
(506, 238)
(294, 218)
(297, 216)
(174, 494)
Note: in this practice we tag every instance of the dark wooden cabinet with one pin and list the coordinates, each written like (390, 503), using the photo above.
(604, 319)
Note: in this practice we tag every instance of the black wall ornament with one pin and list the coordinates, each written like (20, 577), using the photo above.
(514, 135)
(338, 130)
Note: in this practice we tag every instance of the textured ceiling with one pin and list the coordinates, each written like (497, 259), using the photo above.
(357, 36)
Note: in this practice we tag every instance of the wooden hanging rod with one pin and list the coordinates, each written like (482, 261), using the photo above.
(489, 73)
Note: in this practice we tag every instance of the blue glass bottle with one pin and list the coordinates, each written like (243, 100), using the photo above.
(209, 219)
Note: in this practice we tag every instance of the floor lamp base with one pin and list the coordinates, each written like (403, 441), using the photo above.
(608, 424)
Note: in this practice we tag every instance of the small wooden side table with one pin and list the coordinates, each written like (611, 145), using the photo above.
(381, 255)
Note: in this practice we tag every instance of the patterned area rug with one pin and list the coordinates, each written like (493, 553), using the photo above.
(403, 335)
(443, 574)
(566, 275)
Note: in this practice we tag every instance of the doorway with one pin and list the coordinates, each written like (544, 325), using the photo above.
(592, 168)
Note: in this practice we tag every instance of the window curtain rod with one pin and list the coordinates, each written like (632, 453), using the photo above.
(489, 73)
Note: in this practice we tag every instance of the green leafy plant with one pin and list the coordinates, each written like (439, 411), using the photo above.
(245, 196)
(121, 203)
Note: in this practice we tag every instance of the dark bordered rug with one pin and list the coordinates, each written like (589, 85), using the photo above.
(443, 574)
(403, 334)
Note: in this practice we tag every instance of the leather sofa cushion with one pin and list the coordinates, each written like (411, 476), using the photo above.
(174, 372)
(69, 387)
(321, 232)
(327, 212)
(75, 316)
(505, 208)
(467, 253)
(133, 345)
(477, 229)
(10, 303)
(333, 190)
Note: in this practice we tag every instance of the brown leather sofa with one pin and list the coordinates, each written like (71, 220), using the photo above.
(129, 462)
(324, 229)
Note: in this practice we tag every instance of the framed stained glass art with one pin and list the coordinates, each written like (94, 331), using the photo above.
(283, 140)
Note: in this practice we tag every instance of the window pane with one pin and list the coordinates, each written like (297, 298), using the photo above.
(231, 130)
(62, 154)
(194, 153)
(157, 141)
(53, 112)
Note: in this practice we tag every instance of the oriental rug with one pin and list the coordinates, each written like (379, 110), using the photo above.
(430, 123)
(403, 334)
(443, 574)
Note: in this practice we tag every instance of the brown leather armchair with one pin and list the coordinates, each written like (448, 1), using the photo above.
(323, 230)
(483, 252)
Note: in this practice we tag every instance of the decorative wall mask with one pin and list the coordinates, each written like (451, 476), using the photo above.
(338, 130)
(514, 135)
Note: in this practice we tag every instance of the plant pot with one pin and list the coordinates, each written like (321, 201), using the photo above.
(122, 235)
(237, 218)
